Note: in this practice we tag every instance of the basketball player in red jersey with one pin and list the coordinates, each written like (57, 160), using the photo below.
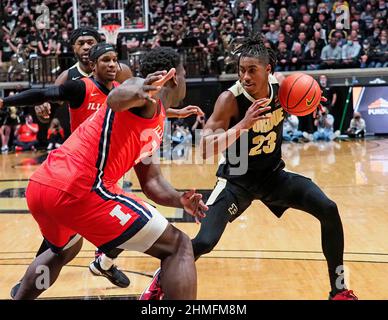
(82, 40)
(84, 97)
(83, 174)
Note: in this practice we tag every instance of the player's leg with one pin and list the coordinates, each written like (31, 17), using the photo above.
(64, 243)
(124, 221)
(226, 203)
(178, 275)
(45, 269)
(298, 192)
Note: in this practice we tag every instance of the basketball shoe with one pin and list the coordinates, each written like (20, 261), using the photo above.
(153, 291)
(15, 289)
(344, 295)
(113, 274)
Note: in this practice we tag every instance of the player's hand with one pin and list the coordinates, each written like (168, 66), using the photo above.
(43, 111)
(1, 103)
(190, 110)
(155, 81)
(320, 107)
(255, 113)
(193, 204)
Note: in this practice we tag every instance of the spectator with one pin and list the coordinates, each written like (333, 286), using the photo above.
(367, 58)
(296, 57)
(55, 135)
(357, 126)
(26, 135)
(325, 124)
(283, 57)
(290, 128)
(351, 53)
(382, 52)
(319, 42)
(312, 56)
(9, 125)
(331, 54)
(273, 34)
(328, 93)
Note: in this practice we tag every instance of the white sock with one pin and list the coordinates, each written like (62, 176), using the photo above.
(105, 262)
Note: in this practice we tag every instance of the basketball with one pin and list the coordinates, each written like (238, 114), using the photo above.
(299, 94)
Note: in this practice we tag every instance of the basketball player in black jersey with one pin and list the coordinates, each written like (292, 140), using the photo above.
(257, 142)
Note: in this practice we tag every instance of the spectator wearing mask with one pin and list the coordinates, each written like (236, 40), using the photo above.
(367, 59)
(382, 52)
(351, 53)
(357, 126)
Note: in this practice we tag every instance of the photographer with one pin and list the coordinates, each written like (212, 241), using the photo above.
(55, 135)
(325, 130)
(357, 126)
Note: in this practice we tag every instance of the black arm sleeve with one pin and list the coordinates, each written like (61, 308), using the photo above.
(71, 91)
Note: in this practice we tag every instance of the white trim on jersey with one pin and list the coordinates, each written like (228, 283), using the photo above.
(221, 184)
(238, 89)
(101, 167)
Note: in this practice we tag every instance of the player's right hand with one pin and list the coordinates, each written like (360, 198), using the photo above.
(43, 111)
(255, 113)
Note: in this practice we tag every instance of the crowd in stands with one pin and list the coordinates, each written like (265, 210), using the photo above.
(307, 34)
(313, 34)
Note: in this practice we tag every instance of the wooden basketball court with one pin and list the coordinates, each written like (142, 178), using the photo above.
(259, 256)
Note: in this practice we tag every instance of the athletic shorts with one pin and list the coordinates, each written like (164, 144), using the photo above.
(108, 220)
(282, 190)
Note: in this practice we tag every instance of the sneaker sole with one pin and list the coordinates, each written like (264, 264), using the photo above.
(94, 271)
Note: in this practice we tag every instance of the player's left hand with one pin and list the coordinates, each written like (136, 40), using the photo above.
(190, 110)
(320, 107)
(193, 204)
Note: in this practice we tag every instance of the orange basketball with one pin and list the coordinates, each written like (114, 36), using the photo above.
(299, 94)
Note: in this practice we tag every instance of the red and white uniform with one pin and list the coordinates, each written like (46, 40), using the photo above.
(75, 190)
(94, 99)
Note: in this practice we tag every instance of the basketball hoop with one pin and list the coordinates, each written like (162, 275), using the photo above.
(111, 31)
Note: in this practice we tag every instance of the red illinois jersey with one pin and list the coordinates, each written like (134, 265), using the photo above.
(94, 99)
(101, 151)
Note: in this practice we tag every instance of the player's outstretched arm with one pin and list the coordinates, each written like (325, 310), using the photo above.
(157, 188)
(72, 91)
(43, 111)
(138, 92)
(216, 136)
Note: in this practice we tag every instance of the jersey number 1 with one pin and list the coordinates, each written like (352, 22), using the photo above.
(122, 216)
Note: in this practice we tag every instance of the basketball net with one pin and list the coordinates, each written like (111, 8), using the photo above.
(111, 31)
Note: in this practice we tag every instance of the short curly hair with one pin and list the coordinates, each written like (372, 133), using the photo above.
(158, 59)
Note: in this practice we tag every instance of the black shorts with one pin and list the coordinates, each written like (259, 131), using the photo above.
(282, 190)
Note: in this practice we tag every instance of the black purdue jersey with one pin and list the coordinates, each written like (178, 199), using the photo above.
(257, 153)
(75, 73)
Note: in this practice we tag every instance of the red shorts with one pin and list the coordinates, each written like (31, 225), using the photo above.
(107, 218)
